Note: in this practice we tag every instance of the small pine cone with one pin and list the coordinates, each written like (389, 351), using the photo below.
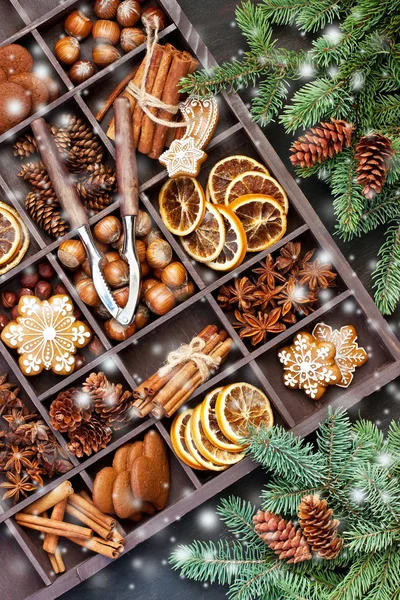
(319, 529)
(65, 413)
(26, 145)
(46, 214)
(90, 437)
(321, 142)
(284, 538)
(98, 204)
(101, 181)
(36, 174)
(110, 402)
(373, 154)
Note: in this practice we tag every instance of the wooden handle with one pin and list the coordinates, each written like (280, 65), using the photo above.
(126, 159)
(60, 178)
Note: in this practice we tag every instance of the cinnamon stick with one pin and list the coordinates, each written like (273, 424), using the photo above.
(90, 510)
(50, 540)
(148, 126)
(117, 538)
(180, 67)
(60, 528)
(77, 514)
(59, 560)
(136, 79)
(51, 499)
(115, 93)
(138, 113)
(98, 545)
(187, 371)
(53, 562)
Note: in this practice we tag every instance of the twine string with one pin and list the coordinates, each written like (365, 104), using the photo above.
(192, 351)
(146, 100)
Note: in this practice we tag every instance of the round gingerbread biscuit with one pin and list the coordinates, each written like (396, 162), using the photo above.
(34, 86)
(52, 88)
(121, 458)
(122, 496)
(102, 489)
(135, 450)
(15, 105)
(3, 76)
(15, 59)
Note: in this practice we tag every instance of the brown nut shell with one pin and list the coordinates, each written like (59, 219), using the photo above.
(67, 50)
(104, 55)
(131, 38)
(106, 9)
(106, 31)
(102, 489)
(78, 25)
(128, 13)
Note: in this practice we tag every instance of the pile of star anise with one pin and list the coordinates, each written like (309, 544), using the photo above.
(28, 448)
(277, 294)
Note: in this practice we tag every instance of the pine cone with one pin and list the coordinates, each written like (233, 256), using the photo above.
(111, 403)
(319, 529)
(36, 174)
(373, 154)
(90, 437)
(26, 145)
(46, 213)
(65, 413)
(97, 189)
(284, 538)
(86, 147)
(321, 142)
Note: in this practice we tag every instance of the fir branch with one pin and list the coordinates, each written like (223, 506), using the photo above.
(381, 493)
(334, 441)
(280, 497)
(238, 517)
(366, 538)
(348, 197)
(358, 579)
(387, 110)
(255, 27)
(372, 437)
(386, 584)
(285, 454)
(386, 276)
(268, 102)
(380, 210)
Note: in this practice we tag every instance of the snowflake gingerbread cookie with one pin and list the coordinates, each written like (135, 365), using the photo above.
(310, 365)
(46, 335)
(348, 353)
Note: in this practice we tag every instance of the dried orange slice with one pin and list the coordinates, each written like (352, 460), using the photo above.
(227, 169)
(23, 244)
(210, 423)
(10, 234)
(240, 405)
(182, 205)
(263, 219)
(177, 434)
(206, 448)
(207, 240)
(256, 183)
(235, 246)
(191, 446)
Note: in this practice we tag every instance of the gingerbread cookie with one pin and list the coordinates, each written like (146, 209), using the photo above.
(3, 76)
(310, 365)
(15, 105)
(15, 59)
(120, 460)
(123, 499)
(150, 472)
(52, 88)
(102, 489)
(349, 355)
(34, 86)
(135, 451)
(46, 335)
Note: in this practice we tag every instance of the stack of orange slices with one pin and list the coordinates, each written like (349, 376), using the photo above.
(242, 210)
(209, 437)
(14, 238)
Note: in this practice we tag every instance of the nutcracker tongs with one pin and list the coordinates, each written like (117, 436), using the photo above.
(127, 185)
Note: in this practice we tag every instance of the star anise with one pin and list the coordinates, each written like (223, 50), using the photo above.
(289, 256)
(16, 486)
(35, 472)
(316, 275)
(18, 417)
(267, 272)
(257, 327)
(265, 296)
(9, 399)
(17, 458)
(293, 297)
(30, 432)
(240, 293)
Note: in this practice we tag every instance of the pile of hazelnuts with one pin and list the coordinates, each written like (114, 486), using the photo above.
(165, 282)
(41, 281)
(115, 25)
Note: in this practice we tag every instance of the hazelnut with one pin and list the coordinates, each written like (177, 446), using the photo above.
(116, 273)
(118, 332)
(174, 275)
(81, 70)
(14, 313)
(43, 290)
(101, 312)
(104, 55)
(71, 253)
(108, 230)
(154, 18)
(106, 9)
(95, 346)
(46, 271)
(29, 279)
(142, 316)
(121, 296)
(183, 293)
(59, 288)
(87, 292)
(24, 292)
(107, 32)
(128, 13)
(142, 224)
(159, 254)
(145, 268)
(78, 25)
(131, 38)
(146, 285)
(140, 250)
(159, 299)
(67, 50)
(3, 321)
(86, 267)
(79, 361)
(8, 299)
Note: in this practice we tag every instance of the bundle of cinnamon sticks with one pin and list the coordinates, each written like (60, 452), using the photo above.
(167, 66)
(63, 500)
(162, 394)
